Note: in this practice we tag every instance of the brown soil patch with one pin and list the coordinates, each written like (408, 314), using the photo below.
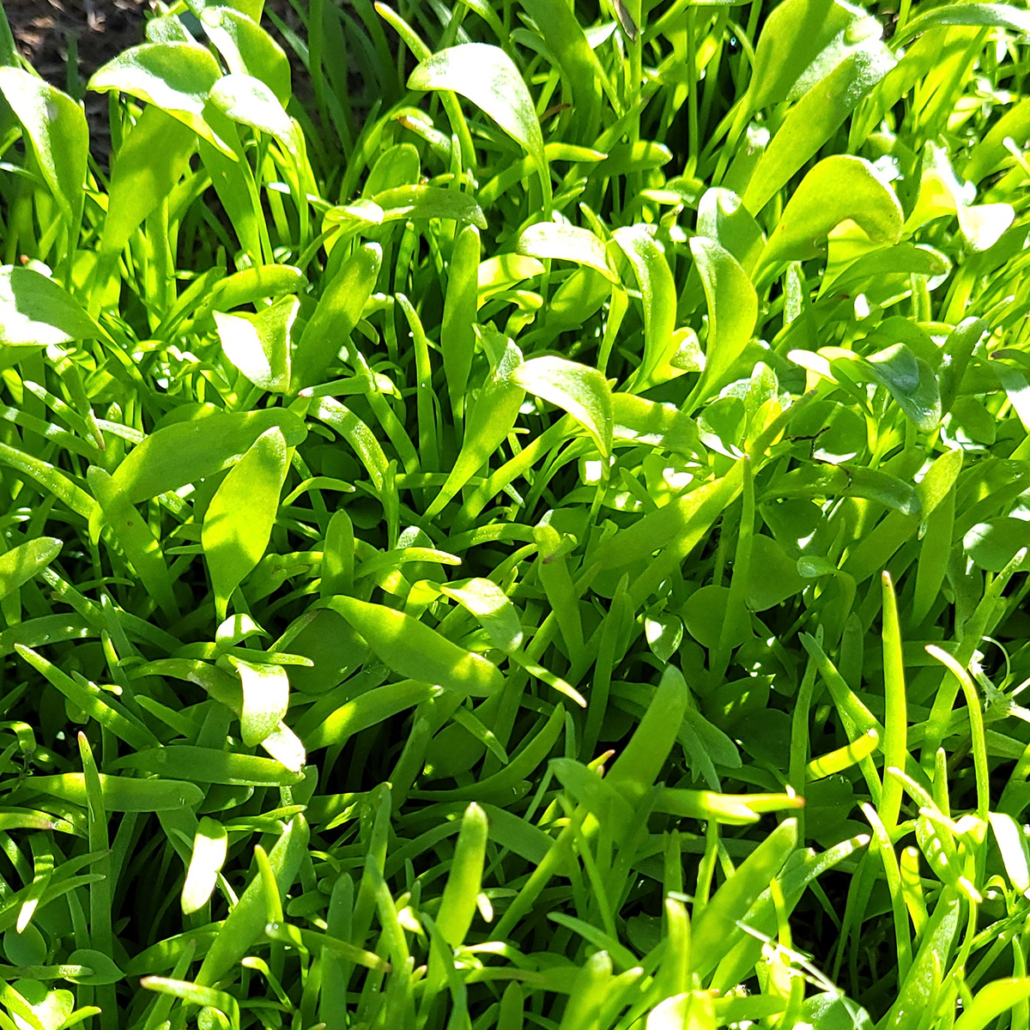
(51, 32)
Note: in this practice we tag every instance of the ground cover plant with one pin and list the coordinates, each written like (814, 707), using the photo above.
(532, 533)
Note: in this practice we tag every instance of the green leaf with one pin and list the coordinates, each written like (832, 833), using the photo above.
(995, 998)
(835, 1012)
(577, 60)
(722, 217)
(677, 528)
(55, 128)
(704, 614)
(828, 803)
(367, 710)
(22, 562)
(399, 165)
(153, 158)
(141, 547)
(458, 902)
(187, 452)
(458, 323)
(412, 649)
(238, 522)
(339, 308)
(247, 49)
(814, 119)
(210, 765)
(487, 76)
(246, 921)
(1012, 844)
(602, 800)
(210, 848)
(802, 41)
(919, 987)
(943, 193)
(492, 609)
(836, 189)
(710, 940)
(27, 948)
(849, 478)
(93, 704)
(958, 348)
(102, 969)
(911, 383)
(641, 760)
(658, 292)
(664, 635)
(259, 345)
(566, 243)
(37, 312)
(1000, 16)
(992, 545)
(177, 77)
(578, 389)
(989, 152)
(123, 793)
(420, 203)
(249, 101)
(251, 9)
(732, 308)
(266, 696)
(773, 576)
(251, 285)
(494, 413)
(9, 56)
(639, 421)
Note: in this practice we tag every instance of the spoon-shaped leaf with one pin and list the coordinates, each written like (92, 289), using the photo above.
(1002, 16)
(492, 609)
(839, 188)
(567, 243)
(177, 77)
(266, 690)
(239, 519)
(578, 389)
(186, 452)
(210, 846)
(487, 76)
(21, 563)
(815, 118)
(911, 383)
(658, 292)
(259, 345)
(36, 312)
(413, 649)
(55, 128)
(250, 102)
(802, 41)
(732, 307)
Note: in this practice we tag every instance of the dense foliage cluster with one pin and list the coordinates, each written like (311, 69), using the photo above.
(525, 526)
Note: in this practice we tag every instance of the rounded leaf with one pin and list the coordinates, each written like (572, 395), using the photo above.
(487, 76)
(101, 969)
(36, 312)
(840, 188)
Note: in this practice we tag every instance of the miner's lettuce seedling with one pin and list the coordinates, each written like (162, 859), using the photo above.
(515, 515)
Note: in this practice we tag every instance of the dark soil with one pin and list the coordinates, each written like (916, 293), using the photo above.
(67, 40)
